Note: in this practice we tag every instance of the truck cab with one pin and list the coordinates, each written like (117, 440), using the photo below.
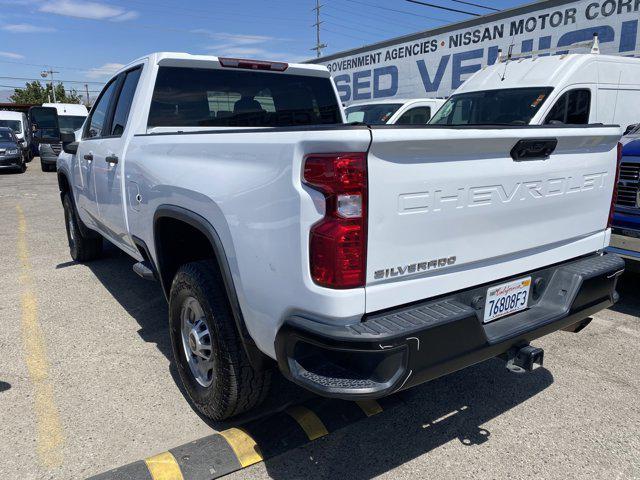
(571, 89)
(625, 237)
(71, 117)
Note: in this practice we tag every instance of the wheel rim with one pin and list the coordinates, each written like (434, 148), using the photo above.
(196, 341)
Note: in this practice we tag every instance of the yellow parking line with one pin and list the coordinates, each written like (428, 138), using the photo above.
(49, 437)
(369, 407)
(245, 447)
(309, 421)
(164, 467)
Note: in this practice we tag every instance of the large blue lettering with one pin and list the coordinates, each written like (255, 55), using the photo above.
(378, 73)
(344, 89)
(628, 36)
(458, 69)
(362, 85)
(605, 34)
(432, 85)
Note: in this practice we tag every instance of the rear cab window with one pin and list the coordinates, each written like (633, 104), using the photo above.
(510, 106)
(204, 97)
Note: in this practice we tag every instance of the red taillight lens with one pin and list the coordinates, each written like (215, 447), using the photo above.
(338, 242)
(614, 196)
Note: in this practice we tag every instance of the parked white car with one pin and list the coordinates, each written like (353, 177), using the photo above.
(572, 89)
(415, 111)
(17, 121)
(71, 117)
(363, 260)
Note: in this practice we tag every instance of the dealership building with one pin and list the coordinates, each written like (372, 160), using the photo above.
(435, 62)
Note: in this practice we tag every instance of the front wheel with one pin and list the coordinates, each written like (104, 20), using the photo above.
(207, 348)
(81, 248)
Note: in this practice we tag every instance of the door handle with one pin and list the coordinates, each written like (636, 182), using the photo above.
(111, 159)
(88, 157)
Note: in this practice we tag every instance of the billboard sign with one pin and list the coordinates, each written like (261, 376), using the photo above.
(436, 62)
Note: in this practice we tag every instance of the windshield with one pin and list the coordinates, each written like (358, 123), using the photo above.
(514, 106)
(70, 123)
(5, 136)
(376, 114)
(15, 125)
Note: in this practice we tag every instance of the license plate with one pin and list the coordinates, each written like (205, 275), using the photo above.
(506, 299)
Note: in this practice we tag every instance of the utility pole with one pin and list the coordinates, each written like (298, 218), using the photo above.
(86, 89)
(45, 74)
(319, 45)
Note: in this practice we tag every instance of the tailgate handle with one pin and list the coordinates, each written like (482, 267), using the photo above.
(533, 149)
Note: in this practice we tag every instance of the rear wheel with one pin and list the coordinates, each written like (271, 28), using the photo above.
(82, 248)
(207, 348)
(47, 167)
(23, 166)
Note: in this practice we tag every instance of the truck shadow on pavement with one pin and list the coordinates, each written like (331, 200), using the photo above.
(420, 420)
(144, 301)
(454, 407)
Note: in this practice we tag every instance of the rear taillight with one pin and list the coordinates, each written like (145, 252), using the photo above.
(253, 64)
(338, 242)
(614, 196)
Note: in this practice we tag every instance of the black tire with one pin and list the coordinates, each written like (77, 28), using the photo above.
(47, 167)
(236, 386)
(23, 166)
(81, 248)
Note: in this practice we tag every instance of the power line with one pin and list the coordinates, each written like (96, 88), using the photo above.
(376, 17)
(398, 11)
(347, 35)
(443, 8)
(372, 29)
(58, 81)
(476, 5)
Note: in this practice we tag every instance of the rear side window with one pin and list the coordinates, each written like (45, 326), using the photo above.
(124, 102)
(415, 116)
(572, 108)
(197, 97)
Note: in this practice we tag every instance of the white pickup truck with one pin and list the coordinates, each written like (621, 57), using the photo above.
(362, 259)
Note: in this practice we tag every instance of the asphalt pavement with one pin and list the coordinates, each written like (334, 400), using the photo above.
(86, 382)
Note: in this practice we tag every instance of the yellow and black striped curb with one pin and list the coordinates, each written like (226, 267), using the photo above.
(238, 447)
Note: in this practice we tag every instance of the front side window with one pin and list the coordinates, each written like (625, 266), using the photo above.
(125, 100)
(198, 97)
(511, 106)
(415, 116)
(374, 114)
(15, 125)
(572, 108)
(98, 117)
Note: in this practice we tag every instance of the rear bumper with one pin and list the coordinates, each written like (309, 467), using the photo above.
(10, 162)
(396, 349)
(626, 246)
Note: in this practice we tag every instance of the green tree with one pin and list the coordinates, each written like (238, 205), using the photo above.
(35, 92)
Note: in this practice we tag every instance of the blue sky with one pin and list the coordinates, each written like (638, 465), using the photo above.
(88, 40)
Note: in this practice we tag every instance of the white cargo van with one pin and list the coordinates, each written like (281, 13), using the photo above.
(71, 117)
(416, 111)
(575, 89)
(17, 121)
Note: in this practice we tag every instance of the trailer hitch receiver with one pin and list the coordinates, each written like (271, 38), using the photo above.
(524, 359)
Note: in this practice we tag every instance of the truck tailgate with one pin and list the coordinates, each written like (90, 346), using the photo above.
(450, 208)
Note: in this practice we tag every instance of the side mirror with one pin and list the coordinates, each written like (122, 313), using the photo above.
(69, 144)
(44, 124)
(630, 129)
